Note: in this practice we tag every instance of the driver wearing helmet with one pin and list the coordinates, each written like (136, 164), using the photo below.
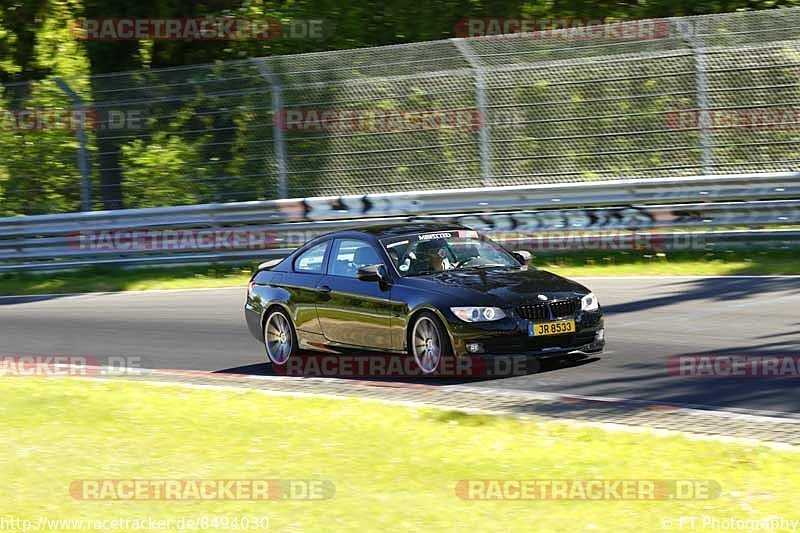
(434, 253)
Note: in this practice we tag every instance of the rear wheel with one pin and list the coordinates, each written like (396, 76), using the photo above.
(428, 342)
(280, 340)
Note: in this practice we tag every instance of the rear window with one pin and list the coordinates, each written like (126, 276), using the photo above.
(312, 259)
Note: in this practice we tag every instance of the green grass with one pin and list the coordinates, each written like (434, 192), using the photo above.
(684, 263)
(118, 279)
(393, 468)
(573, 264)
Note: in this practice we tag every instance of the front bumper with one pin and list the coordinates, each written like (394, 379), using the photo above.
(509, 336)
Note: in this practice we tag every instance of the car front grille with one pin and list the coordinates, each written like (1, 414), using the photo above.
(552, 309)
(534, 311)
(567, 307)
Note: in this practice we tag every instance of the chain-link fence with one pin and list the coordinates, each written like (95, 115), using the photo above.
(715, 94)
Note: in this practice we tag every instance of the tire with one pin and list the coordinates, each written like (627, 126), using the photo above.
(280, 339)
(428, 341)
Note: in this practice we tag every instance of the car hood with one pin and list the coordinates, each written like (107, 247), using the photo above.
(499, 286)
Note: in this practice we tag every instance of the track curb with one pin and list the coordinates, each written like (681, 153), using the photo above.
(749, 426)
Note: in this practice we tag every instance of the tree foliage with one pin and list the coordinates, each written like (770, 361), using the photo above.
(38, 173)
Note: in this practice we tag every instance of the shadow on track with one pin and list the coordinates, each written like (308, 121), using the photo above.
(523, 366)
(713, 289)
(14, 300)
(769, 392)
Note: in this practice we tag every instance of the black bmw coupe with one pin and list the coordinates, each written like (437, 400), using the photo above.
(427, 290)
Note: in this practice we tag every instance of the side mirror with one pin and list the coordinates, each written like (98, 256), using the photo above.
(374, 273)
(523, 256)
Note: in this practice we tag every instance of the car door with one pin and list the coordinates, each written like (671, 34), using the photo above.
(302, 283)
(354, 312)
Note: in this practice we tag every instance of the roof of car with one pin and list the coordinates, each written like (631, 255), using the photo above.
(404, 228)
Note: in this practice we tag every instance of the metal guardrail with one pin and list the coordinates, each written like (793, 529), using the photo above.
(598, 193)
(703, 206)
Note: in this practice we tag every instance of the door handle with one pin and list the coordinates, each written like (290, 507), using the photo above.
(324, 289)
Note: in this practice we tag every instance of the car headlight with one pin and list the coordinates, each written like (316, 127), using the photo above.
(589, 302)
(478, 314)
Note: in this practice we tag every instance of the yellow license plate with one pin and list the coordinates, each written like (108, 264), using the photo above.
(559, 327)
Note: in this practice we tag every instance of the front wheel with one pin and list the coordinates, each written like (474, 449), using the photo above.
(428, 341)
(280, 340)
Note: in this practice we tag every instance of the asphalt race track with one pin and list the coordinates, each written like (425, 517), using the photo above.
(647, 320)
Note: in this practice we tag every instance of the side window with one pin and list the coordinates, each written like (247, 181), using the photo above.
(349, 255)
(311, 260)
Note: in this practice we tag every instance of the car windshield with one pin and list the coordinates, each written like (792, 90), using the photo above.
(427, 253)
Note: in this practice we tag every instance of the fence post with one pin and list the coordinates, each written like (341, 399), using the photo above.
(279, 141)
(690, 32)
(84, 158)
(484, 134)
